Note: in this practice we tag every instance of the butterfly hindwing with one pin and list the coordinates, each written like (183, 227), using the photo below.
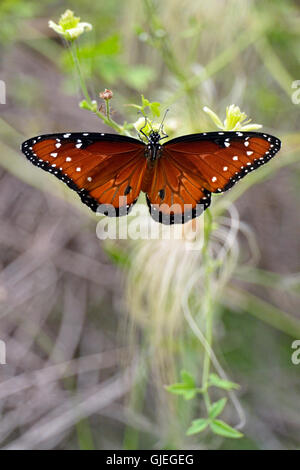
(104, 169)
(176, 193)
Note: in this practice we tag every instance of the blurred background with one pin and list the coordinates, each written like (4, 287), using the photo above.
(95, 329)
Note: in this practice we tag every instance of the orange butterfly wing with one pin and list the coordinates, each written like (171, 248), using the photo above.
(104, 169)
(176, 193)
(108, 169)
(193, 166)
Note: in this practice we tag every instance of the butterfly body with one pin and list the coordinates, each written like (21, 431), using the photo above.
(109, 171)
(152, 153)
(153, 147)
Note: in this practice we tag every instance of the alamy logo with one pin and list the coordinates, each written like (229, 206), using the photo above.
(2, 92)
(139, 225)
(296, 353)
(2, 353)
(296, 94)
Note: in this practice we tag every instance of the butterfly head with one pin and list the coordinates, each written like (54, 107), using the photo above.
(154, 137)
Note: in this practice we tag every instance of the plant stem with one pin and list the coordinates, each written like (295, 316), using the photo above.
(111, 123)
(107, 109)
(90, 104)
(207, 306)
(74, 53)
(136, 403)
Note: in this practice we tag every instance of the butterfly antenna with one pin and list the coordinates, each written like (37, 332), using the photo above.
(150, 124)
(162, 122)
(141, 129)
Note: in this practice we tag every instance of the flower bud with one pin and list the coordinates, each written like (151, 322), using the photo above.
(106, 94)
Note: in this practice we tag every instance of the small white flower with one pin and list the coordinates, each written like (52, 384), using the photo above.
(69, 26)
(235, 119)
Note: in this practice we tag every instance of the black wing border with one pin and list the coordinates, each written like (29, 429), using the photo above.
(220, 136)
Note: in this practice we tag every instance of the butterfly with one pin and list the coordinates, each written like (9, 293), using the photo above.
(109, 171)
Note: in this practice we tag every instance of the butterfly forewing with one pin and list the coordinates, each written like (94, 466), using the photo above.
(104, 169)
(222, 158)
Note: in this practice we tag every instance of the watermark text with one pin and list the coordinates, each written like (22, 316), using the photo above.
(296, 93)
(139, 224)
(2, 92)
(2, 352)
(296, 354)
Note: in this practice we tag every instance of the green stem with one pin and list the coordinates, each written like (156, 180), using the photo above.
(244, 40)
(111, 123)
(74, 53)
(107, 109)
(207, 306)
(162, 44)
(90, 105)
(136, 403)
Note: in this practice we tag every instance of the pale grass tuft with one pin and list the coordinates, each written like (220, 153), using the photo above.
(158, 280)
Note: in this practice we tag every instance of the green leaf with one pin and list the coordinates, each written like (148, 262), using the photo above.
(145, 102)
(108, 47)
(216, 381)
(217, 408)
(139, 77)
(187, 378)
(90, 106)
(85, 435)
(110, 69)
(181, 389)
(223, 429)
(84, 105)
(155, 108)
(187, 388)
(198, 425)
(117, 255)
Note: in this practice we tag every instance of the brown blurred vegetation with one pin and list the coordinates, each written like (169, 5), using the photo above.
(62, 295)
